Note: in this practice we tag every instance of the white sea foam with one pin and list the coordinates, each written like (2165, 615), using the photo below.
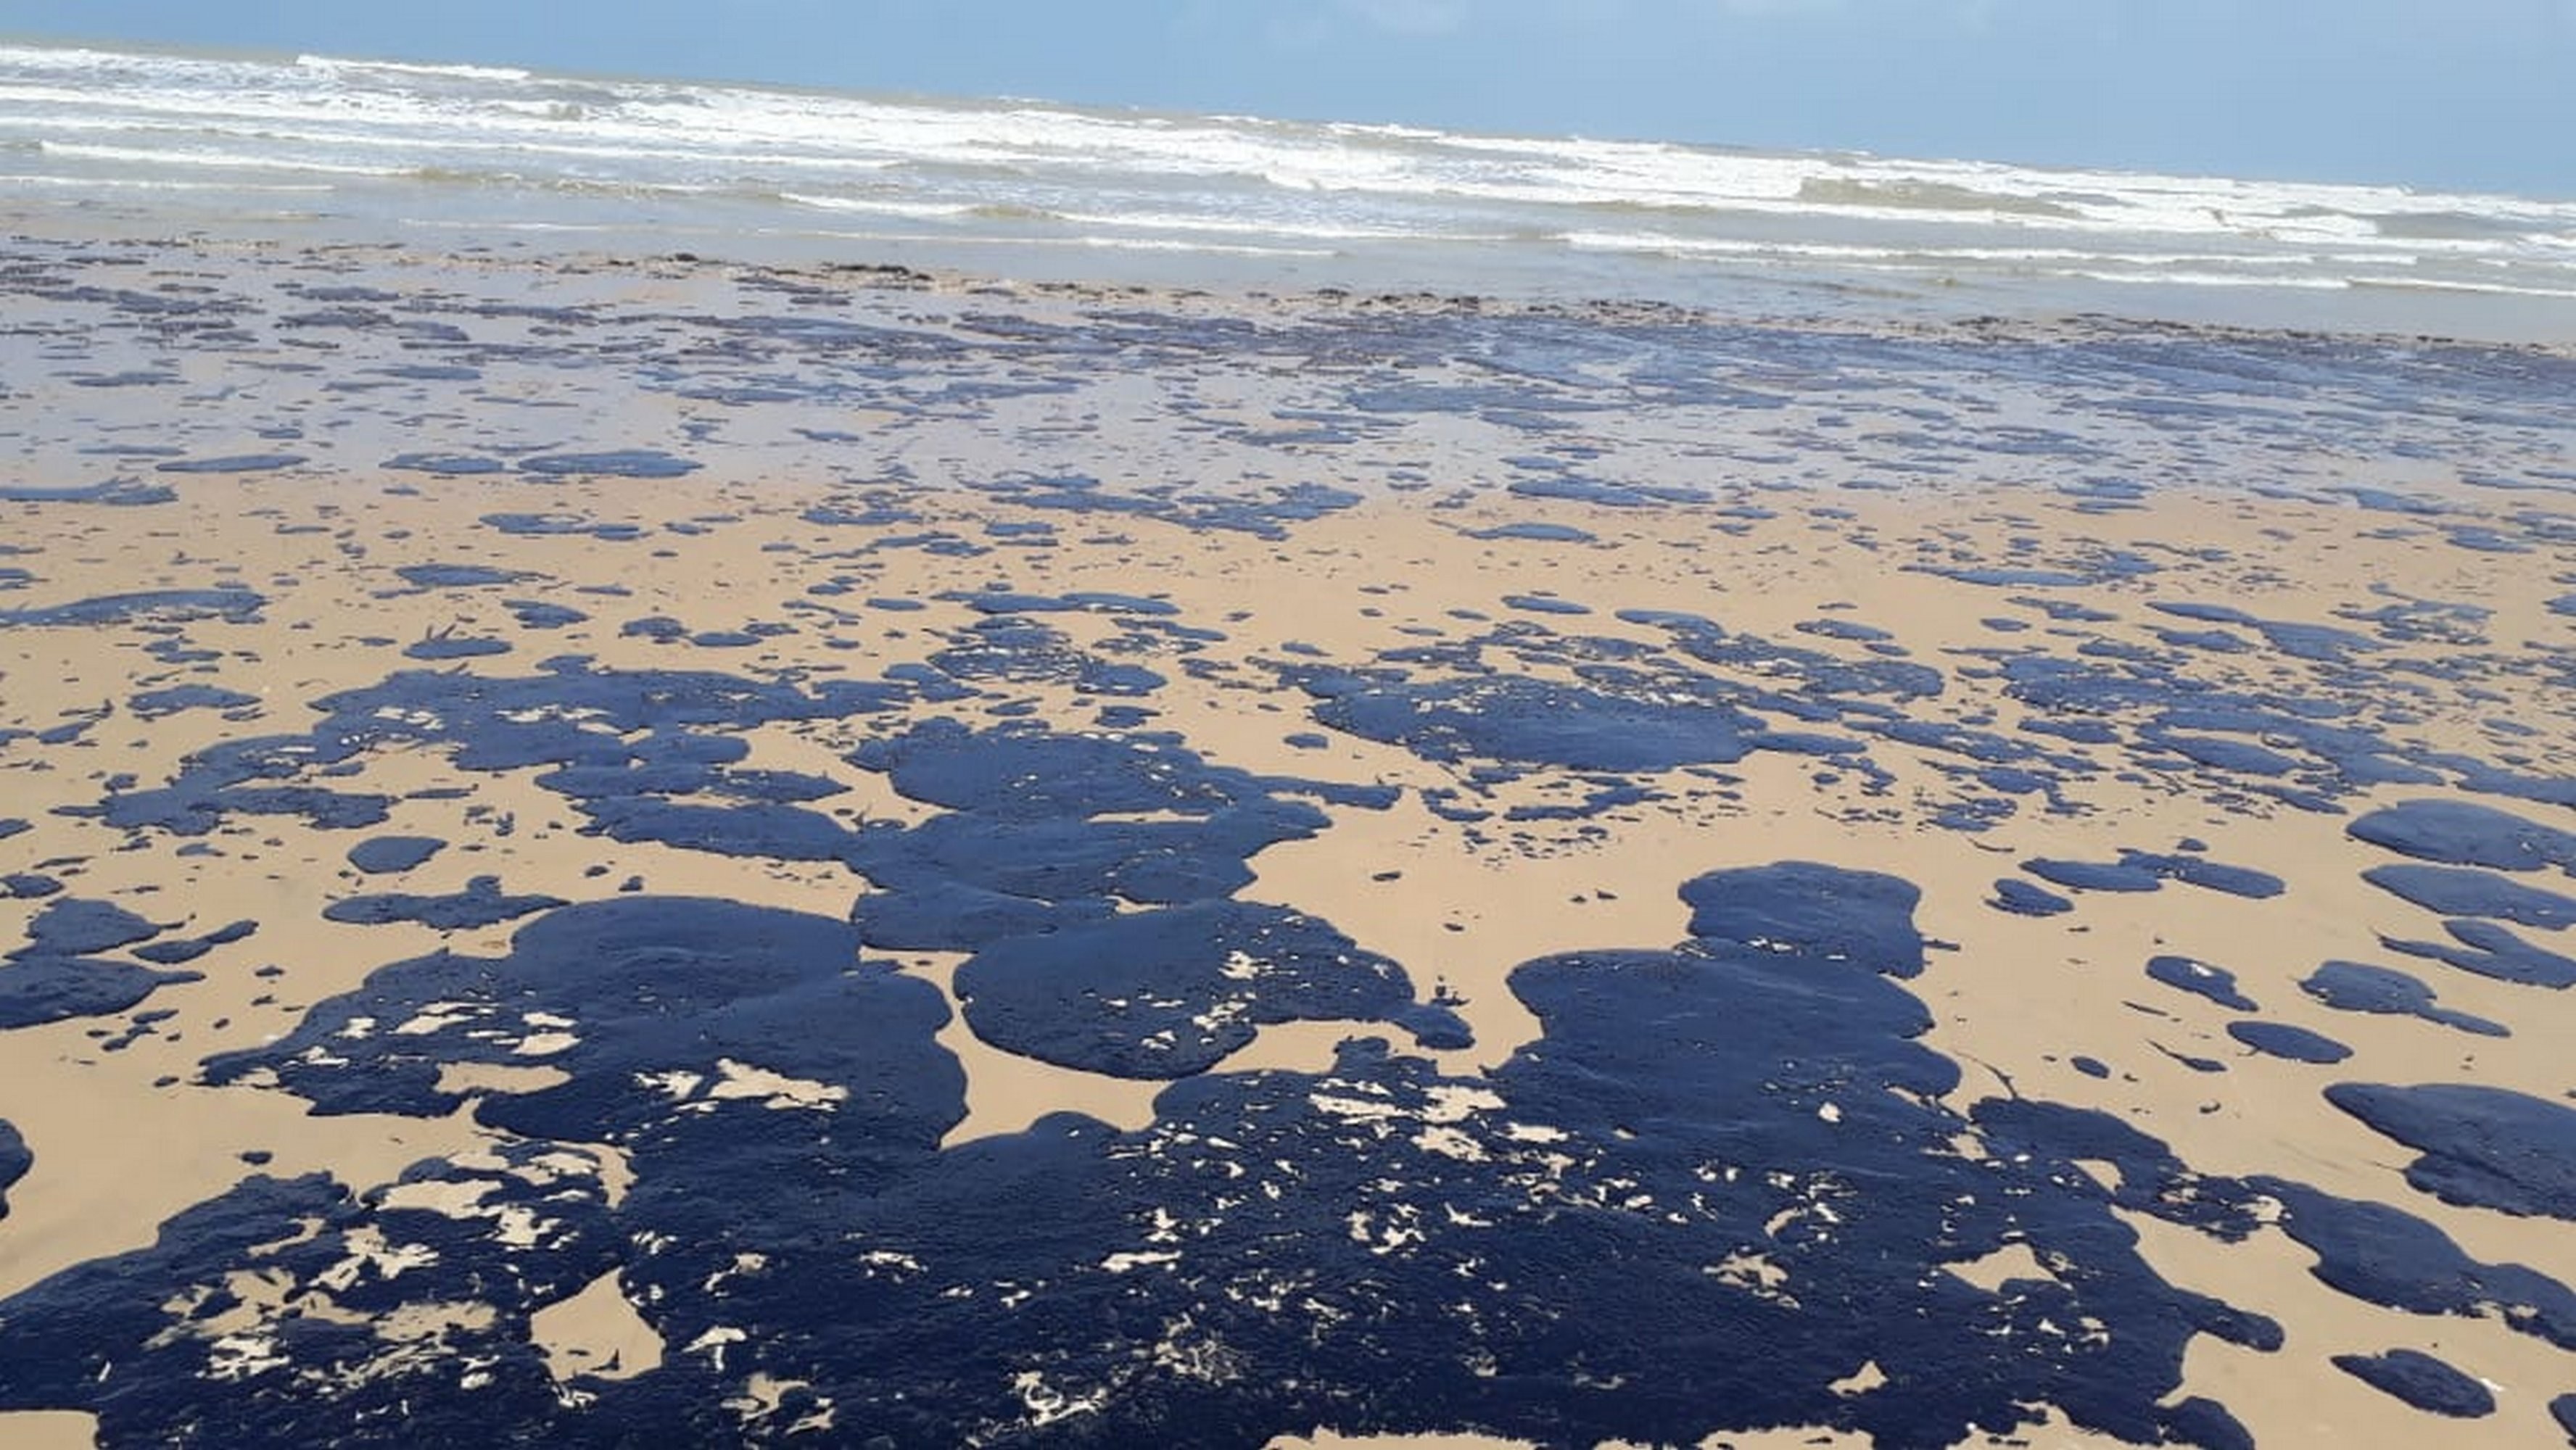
(1317, 231)
(882, 206)
(152, 183)
(157, 156)
(412, 68)
(2487, 289)
(2185, 278)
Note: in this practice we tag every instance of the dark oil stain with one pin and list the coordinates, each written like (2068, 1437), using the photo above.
(2422, 1381)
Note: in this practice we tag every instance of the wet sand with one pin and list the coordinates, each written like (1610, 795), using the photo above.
(844, 852)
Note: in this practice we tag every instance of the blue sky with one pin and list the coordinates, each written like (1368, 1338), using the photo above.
(2440, 93)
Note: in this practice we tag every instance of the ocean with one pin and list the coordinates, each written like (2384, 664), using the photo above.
(462, 156)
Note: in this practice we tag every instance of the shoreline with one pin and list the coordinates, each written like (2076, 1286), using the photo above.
(2383, 313)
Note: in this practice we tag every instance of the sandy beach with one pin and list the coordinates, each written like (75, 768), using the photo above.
(609, 848)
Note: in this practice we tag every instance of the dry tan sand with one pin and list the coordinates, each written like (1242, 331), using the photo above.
(2449, 656)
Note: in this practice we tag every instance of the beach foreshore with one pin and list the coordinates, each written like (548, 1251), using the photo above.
(842, 851)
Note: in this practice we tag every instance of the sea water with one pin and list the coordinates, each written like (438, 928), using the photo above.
(478, 155)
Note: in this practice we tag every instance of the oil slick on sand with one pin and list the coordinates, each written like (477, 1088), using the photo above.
(833, 854)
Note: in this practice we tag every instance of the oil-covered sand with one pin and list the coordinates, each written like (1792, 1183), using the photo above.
(651, 852)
